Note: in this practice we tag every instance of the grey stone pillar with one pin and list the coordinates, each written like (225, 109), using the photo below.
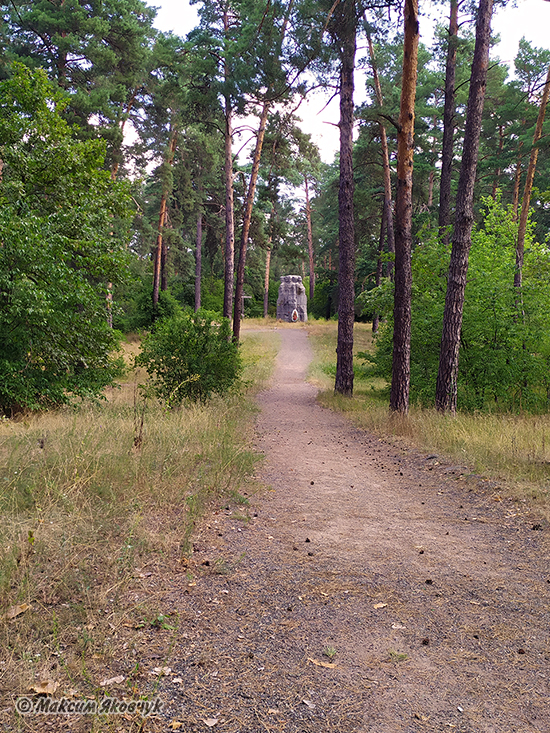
(292, 300)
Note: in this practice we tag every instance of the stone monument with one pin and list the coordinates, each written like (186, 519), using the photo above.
(292, 300)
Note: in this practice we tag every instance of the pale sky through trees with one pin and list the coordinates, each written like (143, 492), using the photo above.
(530, 19)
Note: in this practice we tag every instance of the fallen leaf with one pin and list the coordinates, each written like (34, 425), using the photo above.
(161, 671)
(210, 722)
(112, 681)
(45, 687)
(175, 725)
(380, 605)
(310, 704)
(15, 611)
(328, 665)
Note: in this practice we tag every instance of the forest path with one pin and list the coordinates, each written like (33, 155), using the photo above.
(432, 589)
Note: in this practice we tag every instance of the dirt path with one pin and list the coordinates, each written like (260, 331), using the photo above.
(432, 589)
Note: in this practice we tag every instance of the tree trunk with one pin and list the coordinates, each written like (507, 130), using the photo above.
(346, 233)
(517, 180)
(266, 280)
(163, 260)
(520, 246)
(401, 366)
(388, 207)
(498, 171)
(229, 212)
(246, 221)
(446, 386)
(114, 172)
(159, 269)
(229, 215)
(198, 264)
(448, 127)
(379, 264)
(309, 241)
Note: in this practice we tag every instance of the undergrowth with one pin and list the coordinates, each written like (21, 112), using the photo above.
(514, 449)
(92, 501)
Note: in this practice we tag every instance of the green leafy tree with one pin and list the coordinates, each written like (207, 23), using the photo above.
(63, 238)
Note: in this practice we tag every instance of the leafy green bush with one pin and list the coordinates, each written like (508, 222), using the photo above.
(212, 294)
(505, 346)
(191, 357)
(145, 314)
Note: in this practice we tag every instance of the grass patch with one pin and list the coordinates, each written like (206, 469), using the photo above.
(88, 514)
(508, 448)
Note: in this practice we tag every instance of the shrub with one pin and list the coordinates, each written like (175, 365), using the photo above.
(190, 357)
(504, 348)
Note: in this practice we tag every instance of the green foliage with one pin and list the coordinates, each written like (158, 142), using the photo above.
(505, 346)
(96, 52)
(191, 358)
(58, 213)
(325, 296)
(144, 313)
(212, 295)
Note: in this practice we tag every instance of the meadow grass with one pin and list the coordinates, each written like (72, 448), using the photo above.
(92, 495)
(514, 449)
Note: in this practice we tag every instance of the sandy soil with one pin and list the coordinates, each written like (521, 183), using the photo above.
(372, 590)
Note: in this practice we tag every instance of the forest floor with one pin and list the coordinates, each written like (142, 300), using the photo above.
(366, 588)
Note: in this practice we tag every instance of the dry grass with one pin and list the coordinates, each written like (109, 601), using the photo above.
(514, 449)
(94, 499)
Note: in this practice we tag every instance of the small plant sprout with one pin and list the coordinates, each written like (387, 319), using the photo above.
(397, 656)
(330, 652)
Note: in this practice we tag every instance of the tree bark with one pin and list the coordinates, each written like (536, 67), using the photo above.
(401, 364)
(346, 245)
(158, 264)
(114, 172)
(447, 149)
(388, 206)
(198, 263)
(163, 260)
(266, 280)
(229, 215)
(246, 221)
(229, 269)
(520, 246)
(379, 264)
(309, 240)
(517, 180)
(498, 171)
(446, 386)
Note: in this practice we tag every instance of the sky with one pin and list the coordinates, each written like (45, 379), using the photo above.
(530, 19)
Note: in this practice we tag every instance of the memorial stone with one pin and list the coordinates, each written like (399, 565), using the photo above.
(292, 300)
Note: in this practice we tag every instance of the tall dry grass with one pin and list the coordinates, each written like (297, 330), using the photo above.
(91, 496)
(510, 448)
